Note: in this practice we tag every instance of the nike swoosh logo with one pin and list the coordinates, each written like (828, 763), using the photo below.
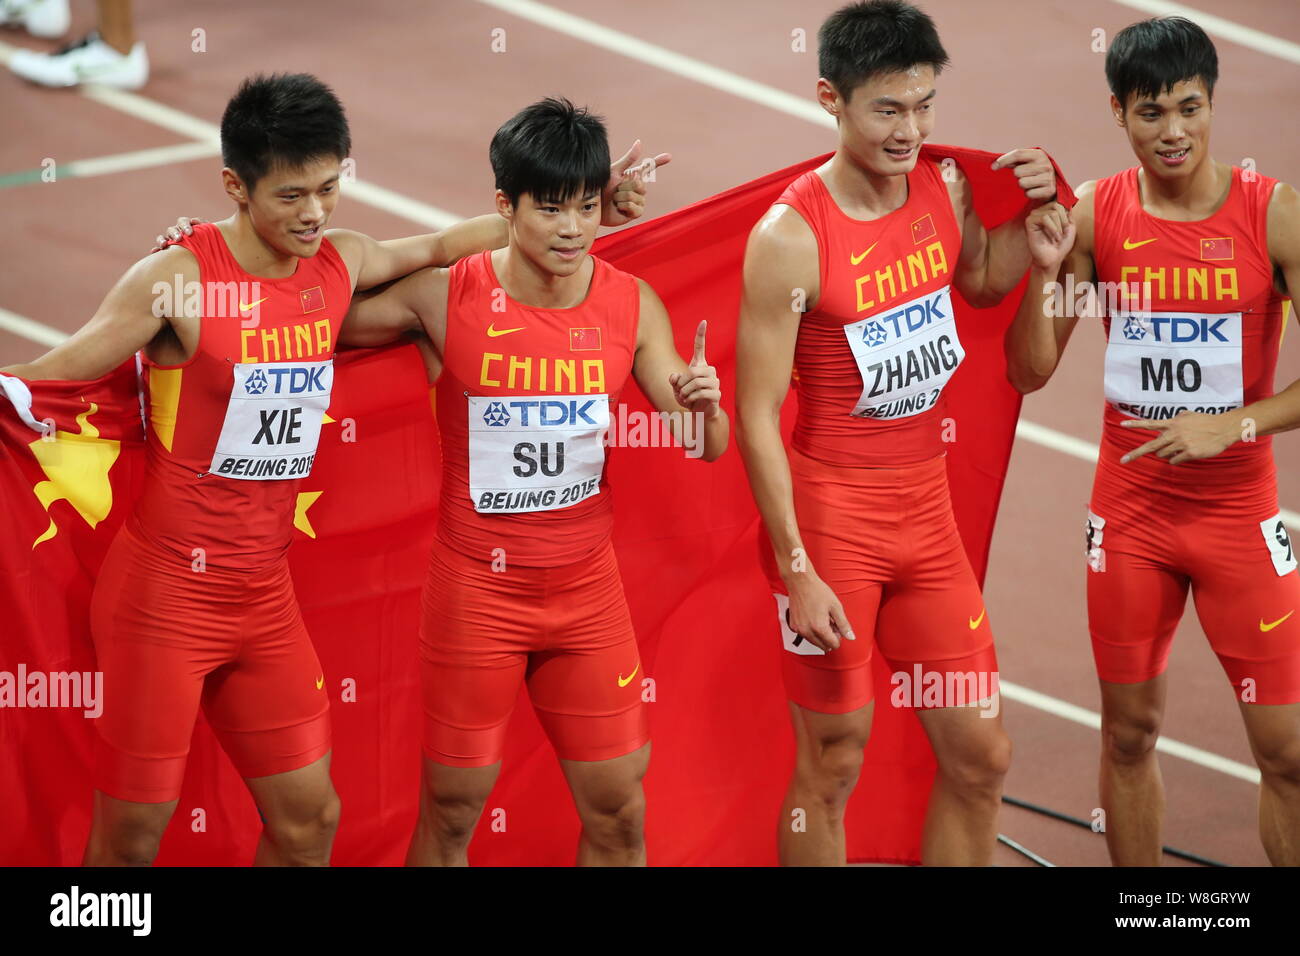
(977, 621)
(856, 259)
(245, 308)
(493, 333)
(1268, 627)
(1130, 244)
(624, 682)
(320, 682)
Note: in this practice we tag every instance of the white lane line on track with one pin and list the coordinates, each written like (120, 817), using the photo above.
(37, 332)
(632, 47)
(1089, 718)
(140, 159)
(202, 132)
(1219, 27)
(1087, 451)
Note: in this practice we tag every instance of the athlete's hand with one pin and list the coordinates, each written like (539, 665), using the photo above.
(624, 197)
(816, 614)
(698, 388)
(174, 233)
(1035, 173)
(1049, 231)
(1188, 436)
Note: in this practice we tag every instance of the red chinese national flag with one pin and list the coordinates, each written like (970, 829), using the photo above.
(584, 340)
(923, 228)
(1216, 249)
(313, 299)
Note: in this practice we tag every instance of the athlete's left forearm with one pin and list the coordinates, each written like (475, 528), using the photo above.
(1269, 416)
(1009, 258)
(717, 433)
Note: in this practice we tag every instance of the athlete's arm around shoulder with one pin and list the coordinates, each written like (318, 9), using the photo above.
(416, 303)
(782, 280)
(138, 307)
(1060, 291)
(372, 262)
(689, 394)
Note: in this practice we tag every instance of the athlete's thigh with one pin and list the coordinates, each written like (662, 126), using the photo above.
(477, 629)
(1247, 593)
(838, 681)
(606, 786)
(156, 640)
(963, 735)
(1137, 589)
(294, 795)
(269, 707)
(932, 618)
(586, 682)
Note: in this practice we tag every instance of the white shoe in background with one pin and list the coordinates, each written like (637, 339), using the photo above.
(41, 18)
(91, 60)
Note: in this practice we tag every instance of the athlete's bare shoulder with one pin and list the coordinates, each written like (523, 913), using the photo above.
(1082, 215)
(1284, 236)
(350, 246)
(782, 253)
(143, 283)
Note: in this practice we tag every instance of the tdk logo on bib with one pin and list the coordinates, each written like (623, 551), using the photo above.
(552, 413)
(288, 379)
(496, 415)
(910, 318)
(1178, 329)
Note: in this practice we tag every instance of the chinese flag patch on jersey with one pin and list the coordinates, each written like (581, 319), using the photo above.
(313, 299)
(1216, 249)
(923, 228)
(584, 340)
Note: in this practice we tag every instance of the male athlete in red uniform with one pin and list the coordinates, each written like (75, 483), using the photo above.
(536, 343)
(1192, 258)
(194, 603)
(866, 550)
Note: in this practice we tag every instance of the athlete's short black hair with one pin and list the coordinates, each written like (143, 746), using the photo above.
(287, 119)
(551, 150)
(862, 40)
(1150, 57)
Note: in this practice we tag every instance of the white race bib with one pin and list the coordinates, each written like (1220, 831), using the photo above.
(273, 420)
(535, 453)
(1279, 545)
(905, 356)
(1161, 363)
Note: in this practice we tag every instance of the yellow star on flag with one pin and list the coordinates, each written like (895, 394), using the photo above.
(300, 520)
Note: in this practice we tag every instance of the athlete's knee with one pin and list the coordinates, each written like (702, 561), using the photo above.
(616, 821)
(978, 768)
(1130, 736)
(127, 843)
(831, 772)
(305, 832)
(1279, 761)
(452, 812)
